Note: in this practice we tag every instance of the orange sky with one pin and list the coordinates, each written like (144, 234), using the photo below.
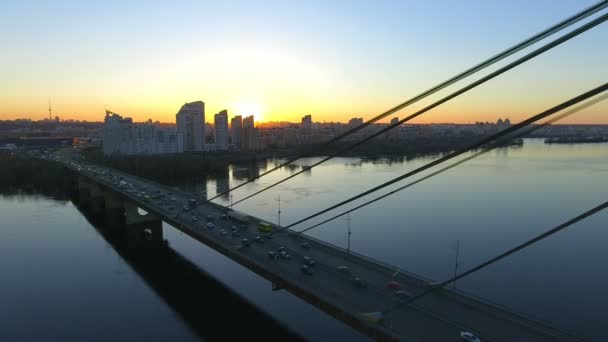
(288, 60)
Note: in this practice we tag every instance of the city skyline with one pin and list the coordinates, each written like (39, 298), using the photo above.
(279, 62)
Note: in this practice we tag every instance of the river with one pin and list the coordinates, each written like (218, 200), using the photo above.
(65, 280)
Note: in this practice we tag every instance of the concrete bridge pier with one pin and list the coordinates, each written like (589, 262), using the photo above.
(96, 199)
(114, 210)
(142, 227)
(84, 193)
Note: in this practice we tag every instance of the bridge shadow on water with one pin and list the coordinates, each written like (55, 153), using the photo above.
(207, 306)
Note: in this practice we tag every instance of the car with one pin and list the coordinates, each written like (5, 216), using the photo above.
(284, 255)
(235, 233)
(245, 242)
(433, 285)
(194, 218)
(306, 270)
(223, 232)
(358, 282)
(258, 239)
(309, 261)
(272, 255)
(305, 245)
(224, 217)
(469, 336)
(210, 218)
(280, 249)
(393, 285)
(210, 225)
(344, 270)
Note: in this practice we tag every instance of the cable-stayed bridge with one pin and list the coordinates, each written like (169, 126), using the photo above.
(377, 299)
(330, 284)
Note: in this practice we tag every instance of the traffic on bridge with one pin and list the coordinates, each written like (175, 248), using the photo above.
(349, 286)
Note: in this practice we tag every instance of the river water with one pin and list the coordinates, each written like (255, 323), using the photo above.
(64, 280)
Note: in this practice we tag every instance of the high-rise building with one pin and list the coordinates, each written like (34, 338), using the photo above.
(191, 125)
(249, 136)
(354, 122)
(393, 133)
(117, 132)
(122, 136)
(221, 130)
(236, 126)
(307, 122)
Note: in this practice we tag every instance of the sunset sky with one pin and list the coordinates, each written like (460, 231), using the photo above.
(284, 59)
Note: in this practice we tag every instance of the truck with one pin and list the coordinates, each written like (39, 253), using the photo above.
(238, 216)
(265, 227)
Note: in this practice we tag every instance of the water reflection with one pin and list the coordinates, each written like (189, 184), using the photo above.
(488, 204)
(205, 304)
(222, 184)
(209, 309)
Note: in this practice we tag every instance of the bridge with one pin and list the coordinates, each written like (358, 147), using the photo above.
(329, 284)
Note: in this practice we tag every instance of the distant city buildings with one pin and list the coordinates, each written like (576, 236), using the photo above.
(355, 122)
(121, 136)
(306, 122)
(236, 127)
(191, 125)
(393, 134)
(249, 135)
(221, 130)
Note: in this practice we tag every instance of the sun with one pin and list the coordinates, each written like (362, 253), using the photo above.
(246, 109)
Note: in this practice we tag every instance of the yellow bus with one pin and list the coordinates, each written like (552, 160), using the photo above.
(265, 227)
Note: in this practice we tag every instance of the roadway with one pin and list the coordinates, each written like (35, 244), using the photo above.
(440, 316)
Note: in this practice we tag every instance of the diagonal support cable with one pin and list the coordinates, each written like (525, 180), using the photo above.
(479, 144)
(492, 60)
(447, 98)
(513, 250)
(473, 156)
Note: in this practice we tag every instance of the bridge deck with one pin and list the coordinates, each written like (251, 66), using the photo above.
(437, 317)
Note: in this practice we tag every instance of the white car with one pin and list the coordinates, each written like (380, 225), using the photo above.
(468, 336)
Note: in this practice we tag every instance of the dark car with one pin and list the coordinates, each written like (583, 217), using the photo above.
(306, 270)
(309, 261)
(403, 295)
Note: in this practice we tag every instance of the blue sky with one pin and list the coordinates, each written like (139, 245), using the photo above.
(333, 59)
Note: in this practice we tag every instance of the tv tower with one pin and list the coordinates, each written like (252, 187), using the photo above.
(50, 111)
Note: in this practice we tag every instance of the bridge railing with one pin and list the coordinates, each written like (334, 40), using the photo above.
(452, 292)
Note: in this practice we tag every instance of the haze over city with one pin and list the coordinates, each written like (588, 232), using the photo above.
(280, 61)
